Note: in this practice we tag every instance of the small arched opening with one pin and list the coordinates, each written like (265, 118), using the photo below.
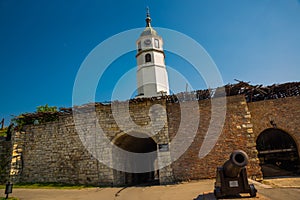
(277, 153)
(148, 57)
(138, 145)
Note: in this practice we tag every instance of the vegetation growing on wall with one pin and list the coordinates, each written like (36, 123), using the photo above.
(3, 132)
(43, 114)
(46, 108)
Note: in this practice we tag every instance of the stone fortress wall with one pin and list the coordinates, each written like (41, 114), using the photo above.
(53, 152)
(5, 158)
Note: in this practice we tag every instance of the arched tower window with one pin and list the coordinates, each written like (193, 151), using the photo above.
(156, 43)
(148, 57)
(139, 46)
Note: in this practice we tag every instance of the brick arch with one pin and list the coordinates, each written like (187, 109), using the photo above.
(282, 128)
(292, 135)
(278, 131)
(133, 134)
(278, 152)
(137, 144)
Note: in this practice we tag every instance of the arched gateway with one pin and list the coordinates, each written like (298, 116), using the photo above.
(139, 145)
(278, 153)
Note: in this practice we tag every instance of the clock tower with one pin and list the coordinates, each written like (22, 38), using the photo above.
(152, 77)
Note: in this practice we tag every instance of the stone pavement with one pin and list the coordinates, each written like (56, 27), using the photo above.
(283, 182)
(196, 190)
(281, 188)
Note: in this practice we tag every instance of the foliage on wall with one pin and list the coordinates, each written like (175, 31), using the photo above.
(43, 114)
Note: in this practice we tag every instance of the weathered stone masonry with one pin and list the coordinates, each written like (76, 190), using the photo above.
(237, 134)
(5, 158)
(284, 112)
(53, 152)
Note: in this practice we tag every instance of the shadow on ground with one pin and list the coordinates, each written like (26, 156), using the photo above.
(211, 196)
(208, 196)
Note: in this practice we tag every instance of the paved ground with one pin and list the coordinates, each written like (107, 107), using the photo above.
(282, 188)
(288, 188)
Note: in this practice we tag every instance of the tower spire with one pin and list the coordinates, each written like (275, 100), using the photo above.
(148, 18)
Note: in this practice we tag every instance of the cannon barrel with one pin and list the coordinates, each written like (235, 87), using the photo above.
(238, 160)
(232, 177)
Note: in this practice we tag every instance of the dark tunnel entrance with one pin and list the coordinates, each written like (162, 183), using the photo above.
(277, 153)
(137, 145)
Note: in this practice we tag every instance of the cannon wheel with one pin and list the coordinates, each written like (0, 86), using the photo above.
(217, 192)
(252, 191)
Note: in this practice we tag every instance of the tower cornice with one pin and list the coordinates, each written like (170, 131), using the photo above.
(150, 50)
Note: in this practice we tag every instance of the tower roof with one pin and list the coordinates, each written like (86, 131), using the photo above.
(148, 30)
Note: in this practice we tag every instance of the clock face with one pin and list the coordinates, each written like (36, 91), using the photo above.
(147, 42)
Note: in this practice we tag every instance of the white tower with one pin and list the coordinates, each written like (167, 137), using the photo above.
(152, 78)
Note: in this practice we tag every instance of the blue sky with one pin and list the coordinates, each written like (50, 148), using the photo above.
(43, 43)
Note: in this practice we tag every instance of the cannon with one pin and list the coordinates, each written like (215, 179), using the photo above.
(231, 178)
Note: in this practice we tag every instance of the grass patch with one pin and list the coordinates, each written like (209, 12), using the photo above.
(3, 134)
(9, 198)
(47, 186)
